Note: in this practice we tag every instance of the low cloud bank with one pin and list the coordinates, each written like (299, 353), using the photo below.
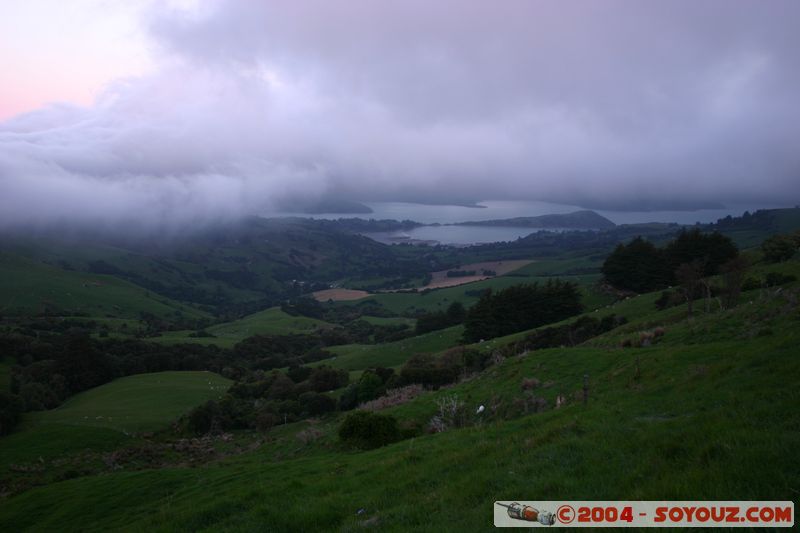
(611, 105)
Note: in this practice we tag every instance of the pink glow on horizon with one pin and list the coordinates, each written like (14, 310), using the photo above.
(55, 51)
(16, 99)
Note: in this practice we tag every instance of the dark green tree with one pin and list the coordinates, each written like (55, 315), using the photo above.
(521, 307)
(367, 430)
(11, 408)
(370, 386)
(638, 266)
(779, 248)
(733, 274)
(711, 249)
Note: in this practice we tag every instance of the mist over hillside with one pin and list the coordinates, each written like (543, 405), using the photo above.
(319, 102)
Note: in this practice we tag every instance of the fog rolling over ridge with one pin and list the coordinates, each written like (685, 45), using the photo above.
(620, 105)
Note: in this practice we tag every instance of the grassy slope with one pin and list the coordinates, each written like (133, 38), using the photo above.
(142, 402)
(166, 267)
(138, 403)
(394, 354)
(31, 443)
(714, 419)
(641, 313)
(713, 415)
(271, 321)
(100, 417)
(29, 286)
(237, 262)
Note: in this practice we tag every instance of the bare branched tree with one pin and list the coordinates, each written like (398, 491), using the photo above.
(451, 413)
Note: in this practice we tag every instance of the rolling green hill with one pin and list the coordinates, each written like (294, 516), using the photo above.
(142, 402)
(30, 287)
(714, 418)
(255, 263)
(271, 321)
(105, 416)
(234, 266)
(707, 411)
(393, 354)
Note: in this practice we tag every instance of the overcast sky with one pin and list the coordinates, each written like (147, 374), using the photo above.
(198, 109)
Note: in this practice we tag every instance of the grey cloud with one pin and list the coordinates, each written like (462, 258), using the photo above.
(615, 103)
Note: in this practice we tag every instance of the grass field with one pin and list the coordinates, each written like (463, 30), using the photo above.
(29, 286)
(32, 442)
(143, 402)
(362, 356)
(271, 321)
(714, 419)
(104, 418)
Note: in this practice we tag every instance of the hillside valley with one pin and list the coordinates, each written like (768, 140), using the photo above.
(120, 377)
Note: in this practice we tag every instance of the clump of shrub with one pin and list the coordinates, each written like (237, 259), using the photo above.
(213, 416)
(451, 413)
(315, 404)
(204, 418)
(372, 384)
(645, 338)
(530, 383)
(266, 420)
(772, 279)
(529, 403)
(436, 320)
(367, 430)
(393, 397)
(428, 370)
(751, 284)
(433, 372)
(669, 299)
(780, 247)
(11, 408)
(572, 334)
(309, 435)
